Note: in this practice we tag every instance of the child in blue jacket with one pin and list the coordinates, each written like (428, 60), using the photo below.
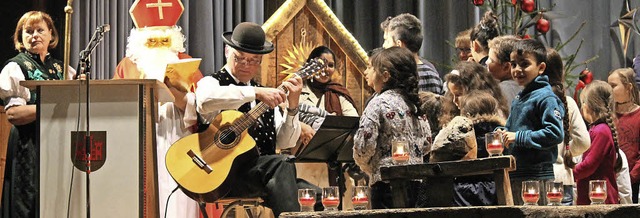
(534, 126)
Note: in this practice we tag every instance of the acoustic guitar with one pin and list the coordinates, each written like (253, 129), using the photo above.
(203, 164)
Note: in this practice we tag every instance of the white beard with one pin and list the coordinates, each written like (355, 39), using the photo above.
(153, 62)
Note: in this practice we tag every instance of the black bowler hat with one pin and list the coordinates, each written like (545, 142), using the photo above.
(248, 37)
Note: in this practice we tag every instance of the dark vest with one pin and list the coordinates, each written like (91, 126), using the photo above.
(264, 130)
(34, 69)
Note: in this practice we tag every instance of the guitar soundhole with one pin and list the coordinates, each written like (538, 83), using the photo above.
(227, 137)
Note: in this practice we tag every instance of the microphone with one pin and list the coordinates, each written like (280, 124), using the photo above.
(96, 38)
(103, 28)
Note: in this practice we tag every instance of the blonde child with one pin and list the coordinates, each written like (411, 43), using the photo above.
(625, 92)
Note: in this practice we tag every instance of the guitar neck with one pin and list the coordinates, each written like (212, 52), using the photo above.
(250, 117)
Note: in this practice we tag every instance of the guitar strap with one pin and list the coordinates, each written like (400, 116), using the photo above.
(264, 130)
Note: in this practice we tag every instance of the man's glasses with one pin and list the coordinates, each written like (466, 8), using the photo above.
(245, 61)
(465, 50)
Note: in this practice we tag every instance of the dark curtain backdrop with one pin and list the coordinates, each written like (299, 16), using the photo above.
(204, 21)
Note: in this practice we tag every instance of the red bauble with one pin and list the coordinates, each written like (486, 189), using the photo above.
(478, 2)
(514, 2)
(528, 5)
(526, 36)
(586, 76)
(542, 25)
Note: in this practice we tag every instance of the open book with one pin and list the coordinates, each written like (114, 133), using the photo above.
(180, 73)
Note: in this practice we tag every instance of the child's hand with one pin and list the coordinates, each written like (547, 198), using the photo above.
(507, 137)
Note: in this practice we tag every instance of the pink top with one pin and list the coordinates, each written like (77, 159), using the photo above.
(597, 164)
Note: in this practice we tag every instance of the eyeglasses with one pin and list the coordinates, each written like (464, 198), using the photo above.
(465, 50)
(245, 61)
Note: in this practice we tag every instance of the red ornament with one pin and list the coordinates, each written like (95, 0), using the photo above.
(478, 2)
(586, 76)
(542, 25)
(528, 5)
(514, 2)
(526, 36)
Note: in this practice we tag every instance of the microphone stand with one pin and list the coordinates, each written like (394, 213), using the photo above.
(84, 66)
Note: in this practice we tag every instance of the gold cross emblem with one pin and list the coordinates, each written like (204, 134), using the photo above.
(159, 5)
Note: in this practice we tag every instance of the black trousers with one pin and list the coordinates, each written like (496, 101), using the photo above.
(382, 197)
(271, 177)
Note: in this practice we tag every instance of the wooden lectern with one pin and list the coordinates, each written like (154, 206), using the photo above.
(123, 181)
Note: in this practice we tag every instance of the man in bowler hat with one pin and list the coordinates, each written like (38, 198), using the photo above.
(270, 176)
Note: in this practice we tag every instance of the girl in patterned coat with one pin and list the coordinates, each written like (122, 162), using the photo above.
(392, 114)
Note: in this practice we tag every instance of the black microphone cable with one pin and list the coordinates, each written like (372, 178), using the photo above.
(167, 203)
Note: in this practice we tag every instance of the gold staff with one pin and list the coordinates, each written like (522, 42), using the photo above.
(67, 37)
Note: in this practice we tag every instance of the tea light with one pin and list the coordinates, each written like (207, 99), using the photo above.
(400, 155)
(399, 151)
(360, 201)
(493, 143)
(330, 201)
(531, 196)
(598, 191)
(554, 196)
(307, 200)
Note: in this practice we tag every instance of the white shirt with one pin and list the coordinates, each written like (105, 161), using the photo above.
(10, 89)
(212, 98)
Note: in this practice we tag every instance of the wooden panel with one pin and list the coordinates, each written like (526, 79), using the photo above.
(5, 129)
(449, 168)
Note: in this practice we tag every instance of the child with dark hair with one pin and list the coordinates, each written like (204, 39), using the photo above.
(601, 161)
(484, 31)
(431, 105)
(534, 127)
(405, 30)
(500, 67)
(483, 110)
(393, 114)
(576, 137)
(465, 77)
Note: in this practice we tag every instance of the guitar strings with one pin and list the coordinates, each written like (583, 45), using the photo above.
(315, 64)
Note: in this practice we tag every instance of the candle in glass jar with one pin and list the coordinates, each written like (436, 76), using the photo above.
(400, 154)
(598, 193)
(531, 196)
(330, 201)
(307, 200)
(554, 194)
(495, 145)
(361, 198)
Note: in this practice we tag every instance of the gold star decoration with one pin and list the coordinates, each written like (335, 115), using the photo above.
(297, 56)
(626, 24)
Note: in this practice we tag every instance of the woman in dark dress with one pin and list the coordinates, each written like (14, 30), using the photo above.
(34, 35)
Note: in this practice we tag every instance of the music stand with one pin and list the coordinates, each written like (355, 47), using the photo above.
(332, 144)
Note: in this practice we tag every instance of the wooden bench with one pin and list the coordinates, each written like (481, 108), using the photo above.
(440, 178)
